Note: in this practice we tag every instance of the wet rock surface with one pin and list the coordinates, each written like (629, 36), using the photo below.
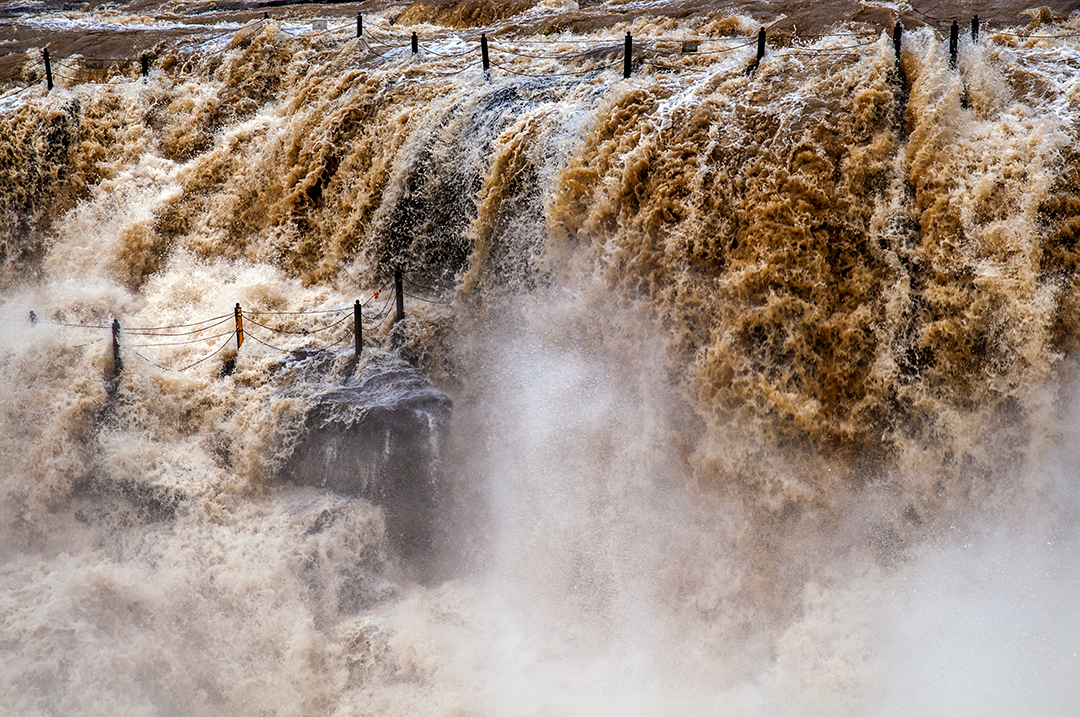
(379, 439)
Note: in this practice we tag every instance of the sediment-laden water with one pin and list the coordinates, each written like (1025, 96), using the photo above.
(764, 383)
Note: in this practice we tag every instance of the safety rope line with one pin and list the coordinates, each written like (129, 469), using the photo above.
(185, 343)
(389, 48)
(253, 312)
(150, 333)
(425, 48)
(428, 301)
(928, 17)
(152, 363)
(557, 74)
(555, 42)
(179, 326)
(422, 287)
(723, 51)
(376, 31)
(208, 356)
(344, 335)
(500, 46)
(470, 66)
(1035, 37)
(62, 69)
(828, 50)
(386, 306)
(256, 339)
(77, 326)
(303, 332)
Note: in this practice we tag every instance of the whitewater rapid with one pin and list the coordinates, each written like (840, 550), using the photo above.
(764, 384)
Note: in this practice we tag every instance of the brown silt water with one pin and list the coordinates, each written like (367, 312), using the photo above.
(731, 387)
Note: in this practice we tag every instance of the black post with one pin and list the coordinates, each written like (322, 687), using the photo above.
(974, 29)
(897, 32)
(415, 44)
(484, 51)
(117, 363)
(760, 52)
(239, 326)
(399, 292)
(628, 54)
(48, 71)
(954, 39)
(145, 65)
(359, 25)
(358, 328)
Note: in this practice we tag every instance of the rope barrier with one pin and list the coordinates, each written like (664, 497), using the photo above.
(386, 306)
(256, 339)
(428, 301)
(252, 312)
(394, 43)
(344, 337)
(198, 328)
(304, 332)
(455, 72)
(425, 48)
(557, 74)
(422, 287)
(725, 50)
(827, 51)
(78, 326)
(837, 34)
(208, 356)
(498, 45)
(556, 42)
(152, 363)
(157, 332)
(928, 17)
(375, 52)
(185, 343)
(1036, 37)
(662, 66)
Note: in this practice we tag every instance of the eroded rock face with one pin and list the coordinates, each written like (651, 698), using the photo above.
(379, 438)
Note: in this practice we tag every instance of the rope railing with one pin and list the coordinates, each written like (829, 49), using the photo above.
(425, 48)
(246, 326)
(576, 73)
(299, 313)
(842, 50)
(302, 332)
(185, 343)
(213, 353)
(151, 332)
(390, 42)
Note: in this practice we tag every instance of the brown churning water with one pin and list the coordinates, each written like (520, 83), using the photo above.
(764, 384)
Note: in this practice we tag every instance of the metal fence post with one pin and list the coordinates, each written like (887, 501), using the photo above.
(239, 326)
(48, 71)
(118, 363)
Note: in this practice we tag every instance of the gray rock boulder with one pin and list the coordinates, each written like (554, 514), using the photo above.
(379, 438)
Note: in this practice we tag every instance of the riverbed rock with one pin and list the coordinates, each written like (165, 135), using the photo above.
(379, 438)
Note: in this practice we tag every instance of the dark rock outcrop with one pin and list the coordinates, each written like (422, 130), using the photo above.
(379, 438)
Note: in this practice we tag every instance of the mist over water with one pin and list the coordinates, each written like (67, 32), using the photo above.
(765, 389)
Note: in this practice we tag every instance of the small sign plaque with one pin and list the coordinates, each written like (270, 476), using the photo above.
(689, 46)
